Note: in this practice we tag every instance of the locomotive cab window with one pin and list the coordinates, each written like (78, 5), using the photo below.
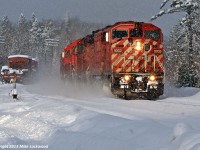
(136, 32)
(67, 53)
(152, 34)
(119, 34)
(80, 48)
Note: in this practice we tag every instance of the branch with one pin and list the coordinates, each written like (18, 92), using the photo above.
(162, 12)
(180, 37)
(163, 3)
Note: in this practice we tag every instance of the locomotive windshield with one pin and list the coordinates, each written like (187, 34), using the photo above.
(136, 32)
(152, 34)
(119, 34)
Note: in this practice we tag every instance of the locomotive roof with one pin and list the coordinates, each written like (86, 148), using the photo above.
(131, 22)
(124, 22)
(72, 44)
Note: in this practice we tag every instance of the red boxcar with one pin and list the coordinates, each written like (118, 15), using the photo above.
(127, 55)
(22, 67)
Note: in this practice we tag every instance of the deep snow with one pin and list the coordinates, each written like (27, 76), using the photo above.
(51, 116)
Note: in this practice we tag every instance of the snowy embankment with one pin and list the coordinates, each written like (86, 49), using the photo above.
(49, 117)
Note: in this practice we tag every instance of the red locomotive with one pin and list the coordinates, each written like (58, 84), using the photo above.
(128, 56)
(68, 60)
(23, 67)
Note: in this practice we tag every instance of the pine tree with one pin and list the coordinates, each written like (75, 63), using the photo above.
(6, 35)
(187, 78)
(35, 38)
(33, 17)
(23, 36)
(191, 8)
(174, 54)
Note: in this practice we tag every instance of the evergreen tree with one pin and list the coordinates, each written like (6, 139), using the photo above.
(35, 38)
(174, 54)
(33, 18)
(23, 36)
(6, 36)
(188, 22)
(187, 78)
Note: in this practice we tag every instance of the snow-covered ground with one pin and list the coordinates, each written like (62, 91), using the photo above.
(55, 117)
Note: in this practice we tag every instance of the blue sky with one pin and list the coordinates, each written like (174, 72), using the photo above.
(101, 11)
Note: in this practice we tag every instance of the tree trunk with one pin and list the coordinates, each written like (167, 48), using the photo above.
(190, 38)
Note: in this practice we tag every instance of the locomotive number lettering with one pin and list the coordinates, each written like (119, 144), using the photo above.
(158, 51)
(117, 50)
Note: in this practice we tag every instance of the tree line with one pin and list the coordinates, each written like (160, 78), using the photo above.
(43, 39)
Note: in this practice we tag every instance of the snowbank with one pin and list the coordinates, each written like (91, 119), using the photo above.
(60, 122)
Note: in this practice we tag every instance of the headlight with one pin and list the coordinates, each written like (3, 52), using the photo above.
(138, 46)
(127, 78)
(152, 77)
(63, 55)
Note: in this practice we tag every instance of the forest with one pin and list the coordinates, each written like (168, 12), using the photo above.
(43, 39)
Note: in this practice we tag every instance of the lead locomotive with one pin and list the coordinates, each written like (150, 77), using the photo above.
(128, 56)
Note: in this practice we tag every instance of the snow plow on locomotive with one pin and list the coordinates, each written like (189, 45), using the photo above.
(21, 67)
(127, 56)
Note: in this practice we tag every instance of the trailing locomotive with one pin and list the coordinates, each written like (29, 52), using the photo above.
(128, 56)
(23, 67)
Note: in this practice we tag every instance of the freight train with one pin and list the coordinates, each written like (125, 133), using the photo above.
(21, 67)
(127, 56)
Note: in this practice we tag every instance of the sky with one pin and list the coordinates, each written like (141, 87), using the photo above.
(100, 11)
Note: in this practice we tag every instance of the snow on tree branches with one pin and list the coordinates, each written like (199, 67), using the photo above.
(177, 6)
(185, 43)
